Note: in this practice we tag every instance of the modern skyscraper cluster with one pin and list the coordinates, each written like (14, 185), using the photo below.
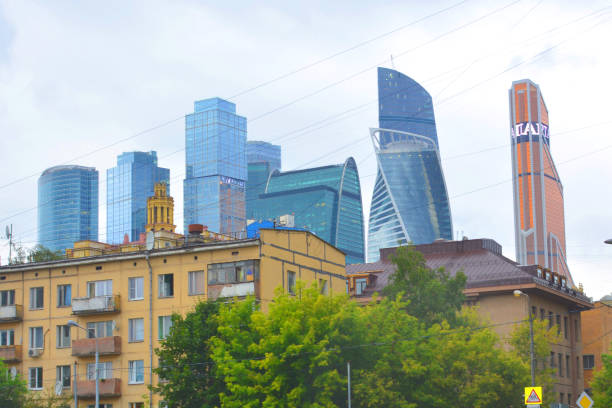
(410, 202)
(229, 181)
(539, 219)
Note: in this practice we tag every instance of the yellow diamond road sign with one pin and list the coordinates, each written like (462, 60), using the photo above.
(533, 395)
(584, 401)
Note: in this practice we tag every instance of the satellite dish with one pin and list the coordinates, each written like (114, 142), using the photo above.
(150, 240)
(58, 388)
(13, 372)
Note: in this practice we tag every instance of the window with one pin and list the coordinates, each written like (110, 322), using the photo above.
(550, 319)
(569, 399)
(560, 359)
(196, 283)
(105, 370)
(136, 288)
(360, 286)
(136, 404)
(7, 297)
(100, 329)
(552, 359)
(323, 286)
(64, 295)
(233, 272)
(63, 375)
(63, 336)
(542, 314)
(164, 325)
(101, 406)
(166, 285)
(136, 369)
(561, 397)
(35, 378)
(7, 337)
(100, 288)
(291, 282)
(558, 324)
(136, 330)
(588, 361)
(36, 338)
(565, 326)
(37, 298)
(567, 366)
(534, 311)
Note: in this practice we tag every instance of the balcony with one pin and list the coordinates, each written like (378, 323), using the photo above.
(95, 305)
(12, 313)
(231, 290)
(10, 354)
(109, 388)
(107, 346)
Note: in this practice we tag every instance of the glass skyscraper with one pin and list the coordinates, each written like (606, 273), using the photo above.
(539, 219)
(410, 201)
(262, 158)
(216, 167)
(127, 188)
(67, 206)
(324, 200)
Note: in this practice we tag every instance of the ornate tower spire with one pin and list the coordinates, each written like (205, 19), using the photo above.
(160, 210)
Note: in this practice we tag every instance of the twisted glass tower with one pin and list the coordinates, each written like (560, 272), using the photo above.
(410, 201)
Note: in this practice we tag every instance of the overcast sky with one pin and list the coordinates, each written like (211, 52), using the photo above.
(76, 79)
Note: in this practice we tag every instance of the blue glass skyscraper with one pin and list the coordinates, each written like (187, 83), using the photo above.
(324, 200)
(216, 167)
(410, 201)
(67, 206)
(127, 188)
(262, 158)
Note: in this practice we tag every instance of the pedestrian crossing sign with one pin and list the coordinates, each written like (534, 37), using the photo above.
(533, 395)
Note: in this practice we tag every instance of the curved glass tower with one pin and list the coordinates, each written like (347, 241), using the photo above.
(410, 201)
(67, 206)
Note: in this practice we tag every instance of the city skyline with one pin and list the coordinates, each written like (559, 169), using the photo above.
(469, 87)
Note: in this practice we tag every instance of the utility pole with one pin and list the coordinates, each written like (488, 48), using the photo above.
(348, 370)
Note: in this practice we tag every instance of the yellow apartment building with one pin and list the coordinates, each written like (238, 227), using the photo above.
(126, 299)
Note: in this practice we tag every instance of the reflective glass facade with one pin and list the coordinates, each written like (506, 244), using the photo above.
(539, 218)
(67, 206)
(324, 200)
(262, 158)
(216, 167)
(410, 200)
(127, 188)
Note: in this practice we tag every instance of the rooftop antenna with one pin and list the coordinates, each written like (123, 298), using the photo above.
(9, 236)
(392, 62)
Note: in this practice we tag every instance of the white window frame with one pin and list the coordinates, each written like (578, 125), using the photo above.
(100, 288)
(63, 341)
(7, 297)
(166, 289)
(105, 369)
(136, 404)
(7, 337)
(106, 326)
(136, 370)
(136, 288)
(38, 378)
(291, 281)
(136, 330)
(63, 375)
(37, 340)
(164, 325)
(35, 293)
(193, 283)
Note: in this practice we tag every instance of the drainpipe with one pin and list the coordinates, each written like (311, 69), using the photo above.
(150, 329)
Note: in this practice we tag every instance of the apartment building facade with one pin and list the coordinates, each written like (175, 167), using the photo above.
(125, 301)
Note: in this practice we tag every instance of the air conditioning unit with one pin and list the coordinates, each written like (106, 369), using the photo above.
(34, 352)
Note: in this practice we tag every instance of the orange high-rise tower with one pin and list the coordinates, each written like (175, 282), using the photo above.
(539, 220)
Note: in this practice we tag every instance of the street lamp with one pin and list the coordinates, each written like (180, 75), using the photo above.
(519, 293)
(75, 324)
(608, 241)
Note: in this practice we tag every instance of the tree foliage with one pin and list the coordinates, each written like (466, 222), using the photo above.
(13, 391)
(184, 360)
(46, 399)
(432, 294)
(602, 382)
(39, 253)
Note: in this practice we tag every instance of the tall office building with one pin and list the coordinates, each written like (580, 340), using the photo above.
(324, 200)
(67, 206)
(539, 221)
(127, 188)
(410, 201)
(262, 158)
(216, 167)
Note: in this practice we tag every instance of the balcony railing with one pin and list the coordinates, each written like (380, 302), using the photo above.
(12, 313)
(10, 354)
(95, 305)
(107, 346)
(109, 388)
(231, 290)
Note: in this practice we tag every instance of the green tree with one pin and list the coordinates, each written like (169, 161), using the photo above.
(602, 382)
(295, 355)
(46, 399)
(185, 360)
(13, 391)
(543, 337)
(41, 253)
(432, 294)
